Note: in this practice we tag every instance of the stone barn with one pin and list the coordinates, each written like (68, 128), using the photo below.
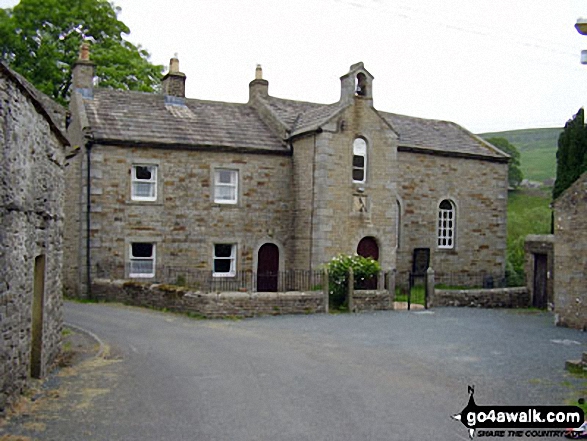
(570, 256)
(32, 146)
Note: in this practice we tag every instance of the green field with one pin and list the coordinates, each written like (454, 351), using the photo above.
(528, 213)
(537, 150)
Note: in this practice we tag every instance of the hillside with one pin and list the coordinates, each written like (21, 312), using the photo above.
(537, 150)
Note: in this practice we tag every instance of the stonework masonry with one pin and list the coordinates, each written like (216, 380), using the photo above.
(297, 189)
(479, 191)
(31, 228)
(570, 256)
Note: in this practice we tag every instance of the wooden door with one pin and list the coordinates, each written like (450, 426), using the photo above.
(539, 299)
(268, 268)
(368, 248)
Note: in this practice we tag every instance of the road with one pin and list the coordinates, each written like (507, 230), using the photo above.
(383, 376)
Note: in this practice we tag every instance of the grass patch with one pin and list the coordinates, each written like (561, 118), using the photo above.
(528, 213)
(537, 150)
(417, 295)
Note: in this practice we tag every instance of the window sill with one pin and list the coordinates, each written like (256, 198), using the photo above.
(137, 202)
(447, 251)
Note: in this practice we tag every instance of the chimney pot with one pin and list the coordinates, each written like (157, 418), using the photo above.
(84, 52)
(174, 64)
(259, 72)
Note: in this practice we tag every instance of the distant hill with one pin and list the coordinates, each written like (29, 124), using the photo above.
(537, 150)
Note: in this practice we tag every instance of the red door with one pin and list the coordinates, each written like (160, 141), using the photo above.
(267, 268)
(368, 248)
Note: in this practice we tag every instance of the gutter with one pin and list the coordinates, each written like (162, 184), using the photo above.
(89, 144)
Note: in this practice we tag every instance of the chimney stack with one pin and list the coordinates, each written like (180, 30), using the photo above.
(259, 86)
(173, 83)
(83, 71)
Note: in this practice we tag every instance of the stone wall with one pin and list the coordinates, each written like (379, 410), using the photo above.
(183, 222)
(31, 227)
(482, 298)
(339, 219)
(228, 304)
(372, 300)
(570, 256)
(479, 191)
(210, 305)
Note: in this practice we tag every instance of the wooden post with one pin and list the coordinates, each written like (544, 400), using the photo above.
(326, 290)
(429, 299)
(391, 288)
(351, 289)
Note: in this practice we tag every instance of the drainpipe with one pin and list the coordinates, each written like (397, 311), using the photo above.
(89, 145)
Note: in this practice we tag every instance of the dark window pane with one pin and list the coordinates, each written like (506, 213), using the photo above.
(143, 172)
(222, 250)
(358, 161)
(222, 265)
(446, 205)
(358, 174)
(142, 250)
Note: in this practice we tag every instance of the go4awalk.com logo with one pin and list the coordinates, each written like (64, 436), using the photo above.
(538, 421)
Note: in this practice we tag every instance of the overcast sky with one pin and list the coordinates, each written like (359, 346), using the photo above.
(489, 65)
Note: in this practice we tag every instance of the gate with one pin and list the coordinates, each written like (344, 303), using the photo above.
(412, 289)
(539, 299)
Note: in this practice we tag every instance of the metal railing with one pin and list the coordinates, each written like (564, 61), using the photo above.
(207, 281)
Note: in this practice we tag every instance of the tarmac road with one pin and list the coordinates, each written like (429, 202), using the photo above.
(382, 376)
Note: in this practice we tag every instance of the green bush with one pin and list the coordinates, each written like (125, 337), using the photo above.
(364, 268)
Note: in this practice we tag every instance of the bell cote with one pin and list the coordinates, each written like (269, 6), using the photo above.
(357, 84)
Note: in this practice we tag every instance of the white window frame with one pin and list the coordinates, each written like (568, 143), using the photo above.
(132, 259)
(152, 181)
(446, 226)
(360, 150)
(233, 184)
(232, 271)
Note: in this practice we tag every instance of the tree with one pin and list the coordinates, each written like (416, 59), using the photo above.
(571, 156)
(515, 174)
(41, 38)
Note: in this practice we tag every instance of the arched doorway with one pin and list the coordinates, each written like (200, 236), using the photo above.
(368, 248)
(267, 268)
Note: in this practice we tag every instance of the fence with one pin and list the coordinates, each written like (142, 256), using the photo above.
(206, 281)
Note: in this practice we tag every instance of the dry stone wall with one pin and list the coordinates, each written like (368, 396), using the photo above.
(31, 227)
(570, 256)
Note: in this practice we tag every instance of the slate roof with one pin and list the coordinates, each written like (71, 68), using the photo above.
(146, 118)
(414, 133)
(439, 136)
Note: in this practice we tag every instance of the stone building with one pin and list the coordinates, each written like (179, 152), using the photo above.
(273, 184)
(570, 256)
(32, 143)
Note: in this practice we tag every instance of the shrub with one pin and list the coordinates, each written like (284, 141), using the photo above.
(364, 269)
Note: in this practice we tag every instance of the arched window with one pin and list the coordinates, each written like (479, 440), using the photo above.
(359, 160)
(446, 225)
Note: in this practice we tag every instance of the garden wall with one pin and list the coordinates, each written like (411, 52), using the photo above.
(209, 305)
(228, 304)
(518, 297)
